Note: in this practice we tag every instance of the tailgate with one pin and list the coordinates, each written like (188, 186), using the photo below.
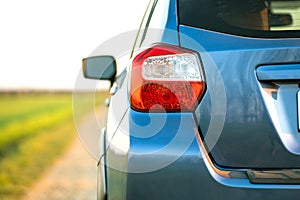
(259, 110)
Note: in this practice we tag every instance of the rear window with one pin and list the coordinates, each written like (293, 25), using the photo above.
(256, 18)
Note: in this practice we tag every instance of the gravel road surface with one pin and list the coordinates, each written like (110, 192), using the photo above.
(73, 176)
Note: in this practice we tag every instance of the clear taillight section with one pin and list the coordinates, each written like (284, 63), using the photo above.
(172, 67)
(166, 78)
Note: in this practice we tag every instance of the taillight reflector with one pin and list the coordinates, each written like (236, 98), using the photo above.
(166, 78)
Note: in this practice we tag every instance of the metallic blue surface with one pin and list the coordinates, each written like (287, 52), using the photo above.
(278, 72)
(214, 41)
(169, 36)
(158, 139)
(248, 126)
(152, 131)
(163, 159)
(189, 176)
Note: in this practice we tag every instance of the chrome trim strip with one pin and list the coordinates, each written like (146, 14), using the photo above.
(284, 176)
(238, 174)
(289, 176)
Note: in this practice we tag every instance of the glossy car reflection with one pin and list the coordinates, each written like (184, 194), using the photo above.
(208, 105)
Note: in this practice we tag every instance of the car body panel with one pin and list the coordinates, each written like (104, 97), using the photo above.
(163, 155)
(189, 176)
(249, 127)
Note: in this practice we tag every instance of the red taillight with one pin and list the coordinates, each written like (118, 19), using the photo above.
(166, 78)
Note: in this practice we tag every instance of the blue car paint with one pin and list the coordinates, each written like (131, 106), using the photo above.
(150, 151)
(247, 116)
(279, 72)
(214, 41)
(190, 176)
(172, 21)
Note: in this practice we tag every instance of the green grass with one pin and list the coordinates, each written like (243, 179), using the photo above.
(35, 129)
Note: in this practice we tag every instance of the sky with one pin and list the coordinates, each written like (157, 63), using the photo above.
(42, 42)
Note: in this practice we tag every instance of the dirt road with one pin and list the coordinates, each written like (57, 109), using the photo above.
(72, 177)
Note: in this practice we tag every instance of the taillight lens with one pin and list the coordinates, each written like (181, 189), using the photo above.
(166, 78)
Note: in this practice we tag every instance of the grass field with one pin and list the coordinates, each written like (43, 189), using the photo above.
(35, 129)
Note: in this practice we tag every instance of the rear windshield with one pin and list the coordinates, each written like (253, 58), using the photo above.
(257, 18)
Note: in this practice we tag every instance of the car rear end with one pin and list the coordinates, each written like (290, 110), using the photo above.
(212, 110)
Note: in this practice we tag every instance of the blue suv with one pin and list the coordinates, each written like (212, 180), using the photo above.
(208, 104)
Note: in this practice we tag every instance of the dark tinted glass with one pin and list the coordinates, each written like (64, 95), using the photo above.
(270, 18)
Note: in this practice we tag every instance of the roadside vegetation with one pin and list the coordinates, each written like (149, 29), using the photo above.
(35, 129)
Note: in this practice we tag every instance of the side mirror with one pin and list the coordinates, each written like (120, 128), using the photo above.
(100, 67)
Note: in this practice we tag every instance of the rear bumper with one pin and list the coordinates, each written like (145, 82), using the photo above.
(189, 177)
